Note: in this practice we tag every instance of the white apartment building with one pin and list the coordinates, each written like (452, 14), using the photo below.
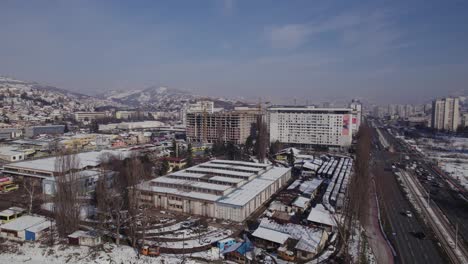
(308, 126)
(89, 116)
(356, 106)
(445, 114)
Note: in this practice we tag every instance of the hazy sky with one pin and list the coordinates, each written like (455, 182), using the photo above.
(387, 51)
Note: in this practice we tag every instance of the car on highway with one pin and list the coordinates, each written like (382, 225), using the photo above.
(418, 234)
(408, 213)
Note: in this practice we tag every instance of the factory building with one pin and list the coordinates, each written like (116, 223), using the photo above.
(219, 188)
(33, 131)
(228, 126)
(89, 116)
(306, 126)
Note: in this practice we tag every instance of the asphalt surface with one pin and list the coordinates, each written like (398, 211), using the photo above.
(399, 227)
(452, 204)
(446, 198)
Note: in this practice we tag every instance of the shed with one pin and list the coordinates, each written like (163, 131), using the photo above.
(16, 229)
(321, 217)
(35, 232)
(10, 214)
(84, 238)
(225, 243)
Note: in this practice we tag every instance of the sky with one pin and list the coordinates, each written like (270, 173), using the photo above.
(380, 51)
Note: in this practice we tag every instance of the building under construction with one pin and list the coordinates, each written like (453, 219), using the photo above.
(223, 126)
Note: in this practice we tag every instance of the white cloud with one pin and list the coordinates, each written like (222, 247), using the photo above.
(228, 6)
(288, 36)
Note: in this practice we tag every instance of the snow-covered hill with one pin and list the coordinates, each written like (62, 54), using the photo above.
(35, 94)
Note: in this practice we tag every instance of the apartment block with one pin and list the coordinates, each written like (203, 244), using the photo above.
(445, 114)
(227, 126)
(306, 126)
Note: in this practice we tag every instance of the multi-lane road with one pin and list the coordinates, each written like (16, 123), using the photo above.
(447, 202)
(400, 228)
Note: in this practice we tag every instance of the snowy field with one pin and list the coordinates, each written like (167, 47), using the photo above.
(14, 253)
(450, 153)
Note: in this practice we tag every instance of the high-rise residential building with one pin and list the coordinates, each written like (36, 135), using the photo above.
(199, 106)
(226, 126)
(308, 126)
(356, 106)
(445, 114)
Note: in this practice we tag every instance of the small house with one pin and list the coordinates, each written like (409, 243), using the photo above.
(35, 232)
(16, 229)
(225, 243)
(11, 214)
(84, 238)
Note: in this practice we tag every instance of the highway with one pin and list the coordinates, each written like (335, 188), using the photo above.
(400, 228)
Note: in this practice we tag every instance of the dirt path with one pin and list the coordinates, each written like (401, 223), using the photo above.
(379, 245)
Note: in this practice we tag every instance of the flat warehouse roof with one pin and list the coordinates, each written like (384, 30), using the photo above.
(48, 164)
(187, 175)
(270, 235)
(226, 179)
(231, 167)
(246, 193)
(242, 163)
(189, 194)
(23, 222)
(195, 184)
(220, 171)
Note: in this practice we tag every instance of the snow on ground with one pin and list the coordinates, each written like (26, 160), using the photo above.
(14, 253)
(204, 240)
(186, 233)
(450, 152)
(359, 240)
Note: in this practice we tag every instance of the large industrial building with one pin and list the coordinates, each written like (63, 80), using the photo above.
(446, 114)
(306, 126)
(45, 170)
(222, 189)
(89, 116)
(227, 126)
(33, 131)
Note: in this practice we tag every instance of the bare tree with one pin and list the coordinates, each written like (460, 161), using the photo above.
(67, 206)
(30, 185)
(118, 203)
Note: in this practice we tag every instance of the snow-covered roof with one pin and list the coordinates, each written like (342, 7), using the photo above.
(310, 237)
(226, 179)
(190, 194)
(294, 184)
(198, 169)
(270, 235)
(40, 227)
(86, 159)
(301, 202)
(309, 187)
(288, 151)
(250, 190)
(195, 184)
(23, 222)
(319, 215)
(12, 211)
(81, 233)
